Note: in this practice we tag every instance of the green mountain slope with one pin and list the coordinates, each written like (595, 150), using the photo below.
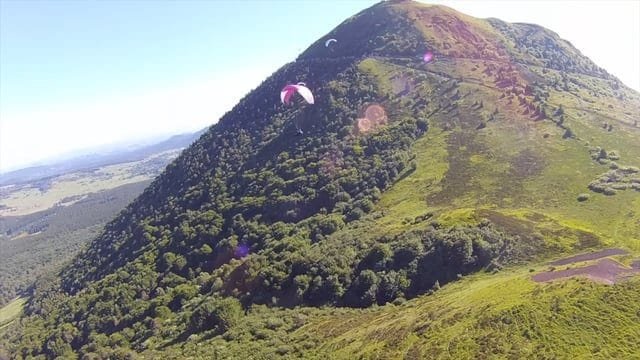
(508, 149)
(503, 315)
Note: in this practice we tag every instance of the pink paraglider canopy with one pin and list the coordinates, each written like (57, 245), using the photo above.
(288, 91)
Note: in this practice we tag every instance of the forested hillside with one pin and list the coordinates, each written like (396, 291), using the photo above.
(38, 243)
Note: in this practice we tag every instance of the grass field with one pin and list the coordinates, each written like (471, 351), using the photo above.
(494, 316)
(43, 194)
(518, 173)
(11, 311)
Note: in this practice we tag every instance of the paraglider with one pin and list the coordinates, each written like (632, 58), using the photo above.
(287, 93)
(329, 42)
(428, 56)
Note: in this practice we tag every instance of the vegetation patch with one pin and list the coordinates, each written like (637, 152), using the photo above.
(11, 311)
(622, 178)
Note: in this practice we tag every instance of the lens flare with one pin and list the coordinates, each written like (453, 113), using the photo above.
(402, 85)
(376, 114)
(331, 162)
(428, 56)
(373, 117)
(364, 125)
(241, 251)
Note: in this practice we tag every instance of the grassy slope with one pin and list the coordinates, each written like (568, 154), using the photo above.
(510, 168)
(519, 167)
(11, 311)
(503, 315)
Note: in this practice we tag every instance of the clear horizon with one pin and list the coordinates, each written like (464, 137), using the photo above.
(77, 75)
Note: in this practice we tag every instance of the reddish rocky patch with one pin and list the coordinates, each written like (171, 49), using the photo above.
(606, 271)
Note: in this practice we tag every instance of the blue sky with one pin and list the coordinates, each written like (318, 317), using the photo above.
(75, 74)
(78, 74)
(69, 51)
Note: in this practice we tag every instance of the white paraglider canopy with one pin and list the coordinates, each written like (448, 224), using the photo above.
(329, 42)
(288, 91)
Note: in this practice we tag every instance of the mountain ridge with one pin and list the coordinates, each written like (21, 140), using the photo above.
(31, 173)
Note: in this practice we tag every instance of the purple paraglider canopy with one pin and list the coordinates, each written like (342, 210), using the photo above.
(241, 251)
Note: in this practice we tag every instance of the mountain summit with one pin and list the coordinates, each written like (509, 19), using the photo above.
(507, 149)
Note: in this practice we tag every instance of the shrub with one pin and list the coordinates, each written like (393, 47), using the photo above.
(596, 187)
(399, 301)
(613, 155)
(298, 321)
(206, 249)
(363, 290)
(583, 197)
(568, 134)
(274, 323)
(330, 224)
(283, 349)
(377, 257)
(436, 285)
(260, 334)
(355, 214)
(162, 312)
(366, 205)
(181, 294)
(216, 313)
(629, 169)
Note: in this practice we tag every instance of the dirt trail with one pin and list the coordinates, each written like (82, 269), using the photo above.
(589, 256)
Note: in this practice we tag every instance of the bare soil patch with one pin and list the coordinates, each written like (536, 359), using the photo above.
(605, 271)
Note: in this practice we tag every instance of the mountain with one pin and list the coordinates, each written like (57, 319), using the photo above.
(406, 214)
(99, 159)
